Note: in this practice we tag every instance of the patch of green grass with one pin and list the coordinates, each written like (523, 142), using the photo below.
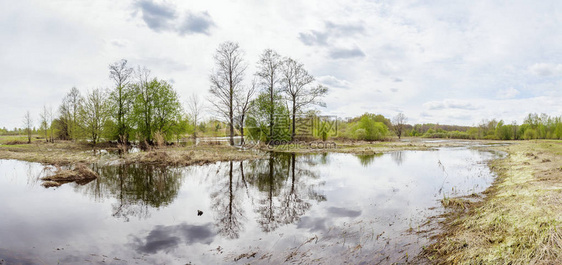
(7, 139)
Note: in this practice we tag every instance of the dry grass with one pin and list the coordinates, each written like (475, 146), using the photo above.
(80, 174)
(70, 153)
(58, 153)
(182, 156)
(519, 221)
(364, 147)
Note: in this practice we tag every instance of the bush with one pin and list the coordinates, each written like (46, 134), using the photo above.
(369, 130)
(530, 134)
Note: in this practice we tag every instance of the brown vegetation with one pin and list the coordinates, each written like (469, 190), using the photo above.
(81, 174)
(520, 219)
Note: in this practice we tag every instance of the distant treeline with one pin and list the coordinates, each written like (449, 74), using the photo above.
(534, 126)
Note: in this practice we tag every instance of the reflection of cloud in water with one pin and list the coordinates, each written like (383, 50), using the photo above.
(165, 238)
(313, 224)
(14, 257)
(343, 212)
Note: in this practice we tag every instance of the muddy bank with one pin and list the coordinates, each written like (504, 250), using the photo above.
(520, 219)
(80, 174)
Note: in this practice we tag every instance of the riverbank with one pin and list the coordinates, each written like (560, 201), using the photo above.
(519, 221)
(67, 152)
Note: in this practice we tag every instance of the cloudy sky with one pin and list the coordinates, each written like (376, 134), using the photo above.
(452, 62)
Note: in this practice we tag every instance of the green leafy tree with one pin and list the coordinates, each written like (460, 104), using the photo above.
(156, 109)
(369, 130)
(503, 132)
(257, 123)
(530, 134)
(181, 126)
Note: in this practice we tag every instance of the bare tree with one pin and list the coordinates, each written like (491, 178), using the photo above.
(194, 107)
(51, 118)
(398, 123)
(296, 83)
(226, 81)
(269, 66)
(44, 120)
(28, 124)
(69, 111)
(94, 114)
(143, 103)
(120, 73)
(243, 104)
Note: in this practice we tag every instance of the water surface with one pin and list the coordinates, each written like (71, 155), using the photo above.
(326, 208)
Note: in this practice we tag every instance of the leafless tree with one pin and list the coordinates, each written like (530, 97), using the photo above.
(94, 114)
(269, 66)
(297, 85)
(120, 73)
(243, 104)
(399, 123)
(226, 81)
(142, 75)
(69, 111)
(44, 116)
(51, 125)
(143, 91)
(28, 125)
(194, 107)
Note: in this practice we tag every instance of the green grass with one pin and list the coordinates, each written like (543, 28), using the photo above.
(6, 139)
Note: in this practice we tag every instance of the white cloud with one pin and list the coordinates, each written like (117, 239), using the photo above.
(546, 69)
(453, 62)
(332, 81)
(507, 93)
(450, 104)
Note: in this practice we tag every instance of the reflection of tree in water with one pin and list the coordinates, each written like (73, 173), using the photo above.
(285, 194)
(398, 157)
(137, 188)
(226, 201)
(366, 160)
(292, 205)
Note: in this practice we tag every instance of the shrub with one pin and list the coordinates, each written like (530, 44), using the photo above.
(530, 134)
(369, 130)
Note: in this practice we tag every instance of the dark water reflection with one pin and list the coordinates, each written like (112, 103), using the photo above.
(326, 208)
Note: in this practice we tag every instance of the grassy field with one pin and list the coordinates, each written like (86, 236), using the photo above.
(68, 152)
(520, 219)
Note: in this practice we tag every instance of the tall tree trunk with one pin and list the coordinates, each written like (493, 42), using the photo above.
(231, 116)
(242, 129)
(271, 111)
(294, 116)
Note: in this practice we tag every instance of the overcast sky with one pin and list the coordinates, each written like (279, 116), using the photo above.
(452, 62)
